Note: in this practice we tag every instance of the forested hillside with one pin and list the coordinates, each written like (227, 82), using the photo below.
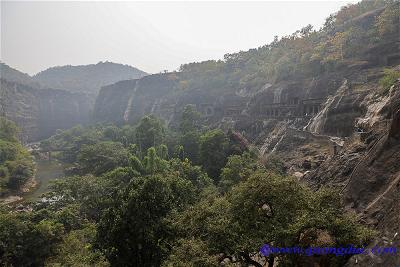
(364, 34)
(16, 164)
(356, 44)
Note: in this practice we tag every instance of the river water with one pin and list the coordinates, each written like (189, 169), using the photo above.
(46, 171)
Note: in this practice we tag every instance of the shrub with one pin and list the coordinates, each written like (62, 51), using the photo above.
(389, 79)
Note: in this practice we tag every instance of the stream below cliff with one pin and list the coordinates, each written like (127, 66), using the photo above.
(46, 171)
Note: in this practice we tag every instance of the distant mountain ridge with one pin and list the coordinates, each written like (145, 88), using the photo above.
(86, 78)
(39, 111)
(57, 98)
(10, 74)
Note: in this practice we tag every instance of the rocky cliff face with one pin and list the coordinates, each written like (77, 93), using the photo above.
(358, 154)
(40, 112)
(161, 95)
(326, 105)
(19, 104)
(128, 101)
(367, 171)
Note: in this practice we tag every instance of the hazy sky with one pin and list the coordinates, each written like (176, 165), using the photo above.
(152, 36)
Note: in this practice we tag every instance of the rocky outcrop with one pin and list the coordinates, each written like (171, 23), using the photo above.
(128, 101)
(112, 101)
(326, 105)
(19, 104)
(367, 171)
(352, 144)
(40, 112)
(339, 113)
(373, 188)
(161, 95)
(59, 109)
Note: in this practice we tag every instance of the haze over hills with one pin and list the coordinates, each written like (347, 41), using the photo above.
(86, 78)
(39, 111)
(57, 98)
(292, 144)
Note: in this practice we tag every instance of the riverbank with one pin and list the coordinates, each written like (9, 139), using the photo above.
(15, 197)
(45, 172)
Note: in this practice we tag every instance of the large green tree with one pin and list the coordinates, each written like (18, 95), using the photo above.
(24, 243)
(189, 133)
(190, 119)
(213, 152)
(264, 208)
(134, 232)
(149, 132)
(8, 130)
(102, 157)
(16, 165)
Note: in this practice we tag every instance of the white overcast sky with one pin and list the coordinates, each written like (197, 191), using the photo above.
(152, 36)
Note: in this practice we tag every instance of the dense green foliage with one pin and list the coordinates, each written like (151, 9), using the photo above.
(213, 151)
(8, 130)
(264, 208)
(149, 133)
(24, 242)
(138, 217)
(189, 138)
(389, 79)
(16, 165)
(129, 207)
(102, 157)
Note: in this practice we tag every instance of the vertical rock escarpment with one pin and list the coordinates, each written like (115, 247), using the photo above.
(20, 104)
(40, 112)
(339, 112)
(367, 172)
(59, 109)
(112, 102)
(128, 101)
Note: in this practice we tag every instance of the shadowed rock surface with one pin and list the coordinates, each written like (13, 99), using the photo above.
(40, 112)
